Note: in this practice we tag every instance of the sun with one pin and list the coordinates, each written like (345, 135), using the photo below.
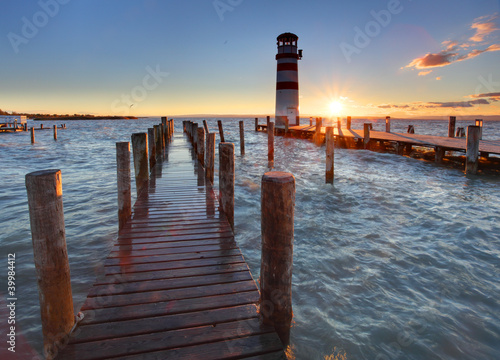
(335, 107)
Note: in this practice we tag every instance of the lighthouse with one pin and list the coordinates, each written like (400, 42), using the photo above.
(287, 80)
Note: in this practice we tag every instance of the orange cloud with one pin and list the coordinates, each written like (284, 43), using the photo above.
(483, 29)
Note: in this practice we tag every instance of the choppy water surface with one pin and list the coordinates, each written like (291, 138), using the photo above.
(399, 259)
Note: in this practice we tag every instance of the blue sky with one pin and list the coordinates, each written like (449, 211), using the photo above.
(152, 57)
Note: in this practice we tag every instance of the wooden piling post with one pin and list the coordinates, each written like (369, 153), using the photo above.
(411, 129)
(45, 204)
(330, 149)
(242, 138)
(348, 123)
(451, 126)
(339, 125)
(472, 153)
(140, 153)
(55, 132)
(205, 126)
(200, 136)
(123, 182)
(172, 128)
(366, 133)
(277, 217)
(164, 129)
(33, 135)
(256, 124)
(479, 122)
(268, 120)
(210, 157)
(151, 148)
(438, 154)
(221, 131)
(310, 121)
(387, 124)
(226, 180)
(195, 137)
(270, 142)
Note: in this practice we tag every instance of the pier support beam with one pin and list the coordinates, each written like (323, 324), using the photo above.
(51, 256)
(151, 148)
(205, 126)
(388, 124)
(256, 124)
(210, 157)
(366, 135)
(277, 204)
(270, 144)
(472, 155)
(330, 150)
(479, 122)
(201, 145)
(140, 153)
(242, 138)
(348, 123)
(55, 132)
(221, 131)
(451, 126)
(226, 180)
(439, 155)
(32, 135)
(123, 182)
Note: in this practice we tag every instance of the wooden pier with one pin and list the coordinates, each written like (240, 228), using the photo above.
(175, 285)
(398, 139)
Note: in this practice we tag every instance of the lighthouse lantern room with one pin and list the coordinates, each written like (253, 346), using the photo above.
(287, 81)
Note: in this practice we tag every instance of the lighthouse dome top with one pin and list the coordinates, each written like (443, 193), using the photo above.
(287, 35)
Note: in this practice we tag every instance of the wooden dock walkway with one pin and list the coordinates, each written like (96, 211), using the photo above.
(175, 285)
(446, 143)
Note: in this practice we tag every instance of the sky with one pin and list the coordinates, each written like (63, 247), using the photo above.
(406, 58)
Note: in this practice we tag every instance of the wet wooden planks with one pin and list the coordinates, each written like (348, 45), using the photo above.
(175, 285)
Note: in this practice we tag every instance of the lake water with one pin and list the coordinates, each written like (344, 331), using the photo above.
(399, 259)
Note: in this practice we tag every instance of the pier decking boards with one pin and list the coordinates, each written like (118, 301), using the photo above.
(175, 285)
(447, 143)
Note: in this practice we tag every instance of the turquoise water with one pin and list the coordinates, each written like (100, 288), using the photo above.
(399, 259)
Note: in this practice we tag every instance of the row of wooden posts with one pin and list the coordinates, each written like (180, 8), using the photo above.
(277, 229)
(54, 127)
(473, 136)
(44, 190)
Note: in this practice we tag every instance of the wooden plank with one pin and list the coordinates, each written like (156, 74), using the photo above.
(227, 349)
(113, 330)
(160, 308)
(168, 340)
(168, 284)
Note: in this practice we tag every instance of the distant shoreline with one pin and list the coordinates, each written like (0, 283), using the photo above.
(48, 118)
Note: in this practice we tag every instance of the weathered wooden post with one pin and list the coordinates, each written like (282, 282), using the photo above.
(256, 124)
(268, 120)
(140, 153)
(242, 138)
(387, 124)
(172, 127)
(438, 154)
(51, 257)
(270, 142)
(226, 180)
(205, 126)
(33, 135)
(55, 132)
(411, 129)
(479, 122)
(221, 131)
(164, 129)
(329, 155)
(319, 123)
(123, 182)
(472, 152)
(277, 204)
(151, 148)
(451, 126)
(201, 145)
(366, 137)
(348, 123)
(195, 137)
(339, 124)
(210, 157)
(157, 140)
(310, 121)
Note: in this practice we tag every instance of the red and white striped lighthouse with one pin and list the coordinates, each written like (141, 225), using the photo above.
(287, 80)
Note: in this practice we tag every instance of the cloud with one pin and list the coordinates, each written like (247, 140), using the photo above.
(423, 73)
(484, 26)
(491, 96)
(438, 78)
(455, 51)
(431, 105)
